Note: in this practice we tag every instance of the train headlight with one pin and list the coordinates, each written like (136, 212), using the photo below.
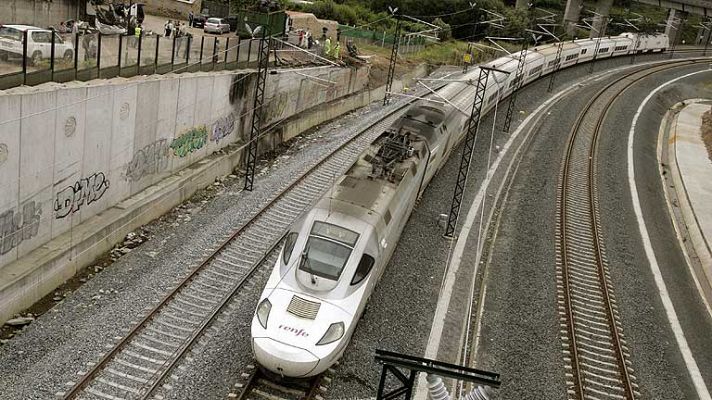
(334, 333)
(263, 312)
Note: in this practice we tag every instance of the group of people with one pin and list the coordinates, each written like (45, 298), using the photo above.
(68, 27)
(178, 27)
(332, 49)
(305, 39)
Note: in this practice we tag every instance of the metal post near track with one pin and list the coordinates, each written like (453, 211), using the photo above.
(257, 114)
(557, 64)
(519, 79)
(404, 368)
(472, 127)
(595, 55)
(394, 56)
(635, 49)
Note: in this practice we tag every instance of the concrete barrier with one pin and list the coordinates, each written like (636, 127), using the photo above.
(83, 164)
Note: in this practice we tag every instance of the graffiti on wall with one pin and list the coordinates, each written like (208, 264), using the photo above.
(84, 191)
(190, 141)
(222, 127)
(16, 227)
(151, 159)
(276, 108)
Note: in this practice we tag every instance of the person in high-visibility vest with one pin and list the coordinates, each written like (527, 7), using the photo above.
(327, 47)
(337, 50)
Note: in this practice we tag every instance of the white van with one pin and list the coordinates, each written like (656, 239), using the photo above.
(39, 43)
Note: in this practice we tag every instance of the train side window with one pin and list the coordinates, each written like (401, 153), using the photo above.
(364, 267)
(289, 246)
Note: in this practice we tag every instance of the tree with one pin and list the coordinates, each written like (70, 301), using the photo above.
(445, 32)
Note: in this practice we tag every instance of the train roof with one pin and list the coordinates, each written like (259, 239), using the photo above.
(549, 49)
(362, 194)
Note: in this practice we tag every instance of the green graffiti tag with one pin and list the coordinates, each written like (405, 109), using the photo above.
(190, 141)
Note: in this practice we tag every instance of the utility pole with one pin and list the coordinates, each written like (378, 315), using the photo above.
(469, 42)
(472, 127)
(519, 81)
(394, 56)
(257, 112)
(557, 64)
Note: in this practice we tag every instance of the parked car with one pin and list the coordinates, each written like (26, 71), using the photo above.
(216, 25)
(39, 43)
(199, 20)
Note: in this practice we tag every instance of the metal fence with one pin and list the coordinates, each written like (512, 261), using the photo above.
(408, 43)
(66, 57)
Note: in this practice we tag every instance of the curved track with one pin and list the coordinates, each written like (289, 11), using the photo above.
(591, 331)
(137, 366)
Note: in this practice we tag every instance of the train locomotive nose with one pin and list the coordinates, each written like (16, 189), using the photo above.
(283, 359)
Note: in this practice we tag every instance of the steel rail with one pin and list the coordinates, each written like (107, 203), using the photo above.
(311, 387)
(594, 212)
(99, 366)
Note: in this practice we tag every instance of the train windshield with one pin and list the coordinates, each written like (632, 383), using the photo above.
(327, 250)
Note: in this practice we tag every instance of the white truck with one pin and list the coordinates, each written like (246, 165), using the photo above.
(39, 44)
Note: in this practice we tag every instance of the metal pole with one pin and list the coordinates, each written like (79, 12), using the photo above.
(202, 42)
(215, 54)
(76, 54)
(519, 79)
(120, 51)
(557, 63)
(237, 56)
(392, 65)
(187, 50)
(24, 57)
(138, 53)
(257, 112)
(155, 58)
(472, 127)
(249, 50)
(51, 56)
(98, 55)
(595, 55)
(173, 53)
(707, 42)
(227, 46)
(635, 48)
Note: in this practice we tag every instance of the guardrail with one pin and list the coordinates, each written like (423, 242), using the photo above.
(77, 56)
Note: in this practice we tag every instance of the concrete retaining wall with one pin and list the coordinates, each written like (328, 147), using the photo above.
(83, 164)
(40, 13)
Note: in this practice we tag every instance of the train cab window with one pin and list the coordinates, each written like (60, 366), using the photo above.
(364, 267)
(328, 249)
(289, 246)
(387, 217)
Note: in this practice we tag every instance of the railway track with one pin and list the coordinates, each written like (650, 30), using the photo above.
(596, 353)
(138, 365)
(255, 385)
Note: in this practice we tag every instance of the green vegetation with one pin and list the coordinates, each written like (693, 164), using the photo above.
(459, 21)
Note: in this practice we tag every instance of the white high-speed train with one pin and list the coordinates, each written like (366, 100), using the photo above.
(334, 255)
